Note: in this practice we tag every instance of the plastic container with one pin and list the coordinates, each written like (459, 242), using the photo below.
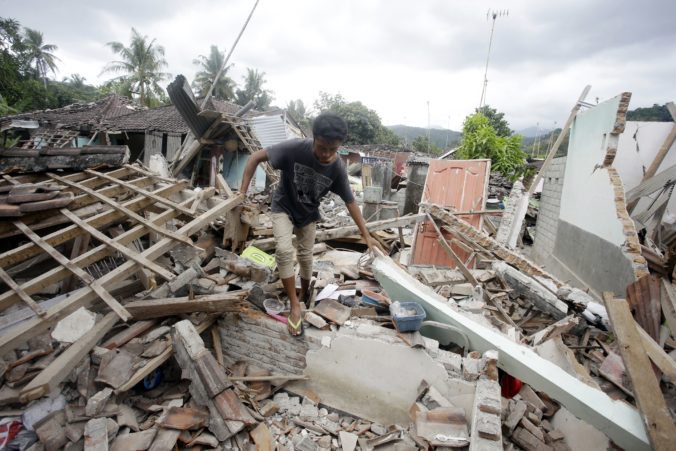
(373, 298)
(407, 316)
(273, 306)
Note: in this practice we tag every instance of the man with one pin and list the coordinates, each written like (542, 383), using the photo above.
(310, 169)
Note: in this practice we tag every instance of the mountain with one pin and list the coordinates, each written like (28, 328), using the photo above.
(438, 136)
(532, 132)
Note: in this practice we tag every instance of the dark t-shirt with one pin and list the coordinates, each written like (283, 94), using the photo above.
(305, 181)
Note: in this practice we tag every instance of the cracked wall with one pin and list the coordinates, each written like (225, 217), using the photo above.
(596, 245)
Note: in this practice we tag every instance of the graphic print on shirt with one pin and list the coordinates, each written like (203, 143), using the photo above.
(310, 185)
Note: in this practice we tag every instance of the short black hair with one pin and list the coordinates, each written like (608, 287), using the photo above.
(329, 126)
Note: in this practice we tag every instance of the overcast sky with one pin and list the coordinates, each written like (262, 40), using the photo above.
(393, 55)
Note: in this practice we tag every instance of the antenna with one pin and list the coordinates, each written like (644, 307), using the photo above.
(490, 14)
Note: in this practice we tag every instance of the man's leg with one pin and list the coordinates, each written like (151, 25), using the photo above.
(305, 237)
(282, 228)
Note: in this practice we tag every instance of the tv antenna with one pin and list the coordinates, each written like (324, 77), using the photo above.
(494, 14)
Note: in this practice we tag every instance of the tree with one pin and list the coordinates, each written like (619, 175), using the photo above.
(655, 113)
(480, 140)
(497, 120)
(296, 109)
(40, 55)
(141, 65)
(210, 66)
(363, 124)
(423, 145)
(253, 91)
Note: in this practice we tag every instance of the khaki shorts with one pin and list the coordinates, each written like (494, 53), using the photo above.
(283, 229)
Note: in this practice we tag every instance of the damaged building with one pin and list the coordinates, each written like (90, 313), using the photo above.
(141, 307)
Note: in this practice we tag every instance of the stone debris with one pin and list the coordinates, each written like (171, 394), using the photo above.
(202, 361)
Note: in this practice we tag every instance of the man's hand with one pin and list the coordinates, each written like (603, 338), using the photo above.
(375, 246)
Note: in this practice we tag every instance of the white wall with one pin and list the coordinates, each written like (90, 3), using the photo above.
(588, 199)
(637, 149)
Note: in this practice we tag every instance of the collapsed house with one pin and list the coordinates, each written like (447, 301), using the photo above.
(142, 312)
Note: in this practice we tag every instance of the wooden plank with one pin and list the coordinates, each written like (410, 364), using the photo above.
(76, 270)
(452, 255)
(54, 275)
(142, 192)
(128, 253)
(664, 148)
(61, 367)
(213, 303)
(649, 186)
(129, 333)
(156, 362)
(126, 211)
(80, 246)
(668, 302)
(148, 174)
(660, 358)
(22, 294)
(24, 252)
(657, 419)
(31, 328)
(218, 347)
(559, 140)
(222, 186)
(643, 297)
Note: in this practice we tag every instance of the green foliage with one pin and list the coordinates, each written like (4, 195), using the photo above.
(363, 124)
(496, 119)
(423, 145)
(254, 91)
(655, 113)
(297, 110)
(209, 68)
(480, 140)
(141, 66)
(40, 55)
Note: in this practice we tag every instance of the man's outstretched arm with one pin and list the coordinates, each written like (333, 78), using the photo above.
(358, 219)
(252, 163)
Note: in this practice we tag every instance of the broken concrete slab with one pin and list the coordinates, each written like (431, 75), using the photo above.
(74, 326)
(97, 403)
(531, 290)
(620, 421)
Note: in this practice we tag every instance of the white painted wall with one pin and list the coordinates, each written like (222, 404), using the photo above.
(637, 149)
(588, 199)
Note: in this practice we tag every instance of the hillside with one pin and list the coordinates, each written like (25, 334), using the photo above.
(438, 136)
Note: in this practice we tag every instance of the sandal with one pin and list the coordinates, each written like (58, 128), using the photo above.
(295, 329)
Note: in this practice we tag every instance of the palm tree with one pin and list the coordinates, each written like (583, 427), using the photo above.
(40, 55)
(141, 65)
(75, 80)
(254, 91)
(225, 88)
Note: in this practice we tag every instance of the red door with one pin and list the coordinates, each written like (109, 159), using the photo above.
(459, 185)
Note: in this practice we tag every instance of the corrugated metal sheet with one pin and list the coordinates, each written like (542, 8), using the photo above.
(271, 130)
(182, 97)
(459, 185)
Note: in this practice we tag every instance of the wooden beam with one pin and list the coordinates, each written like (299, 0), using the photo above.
(63, 365)
(128, 253)
(142, 192)
(22, 294)
(126, 211)
(660, 358)
(149, 174)
(54, 275)
(668, 301)
(451, 254)
(559, 140)
(212, 303)
(222, 186)
(649, 186)
(649, 398)
(24, 252)
(76, 270)
(342, 232)
(32, 327)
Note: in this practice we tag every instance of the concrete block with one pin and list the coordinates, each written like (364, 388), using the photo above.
(97, 403)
